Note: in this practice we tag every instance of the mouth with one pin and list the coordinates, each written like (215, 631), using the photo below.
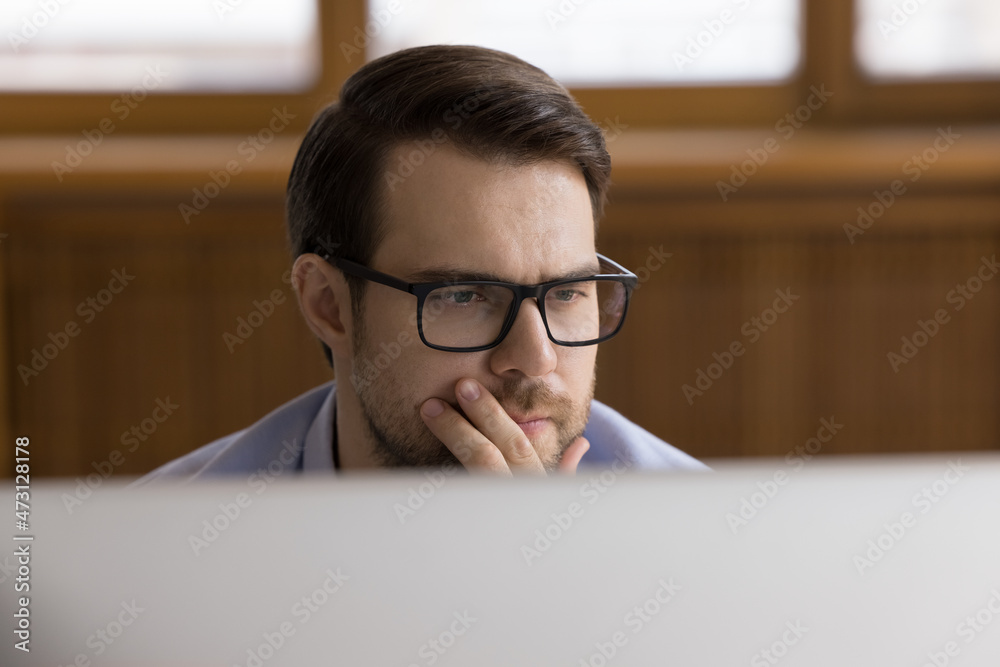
(532, 425)
(523, 419)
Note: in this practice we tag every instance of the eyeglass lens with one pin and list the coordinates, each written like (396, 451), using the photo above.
(470, 315)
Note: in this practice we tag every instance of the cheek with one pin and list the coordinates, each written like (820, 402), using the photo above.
(433, 373)
(576, 366)
(386, 348)
(388, 330)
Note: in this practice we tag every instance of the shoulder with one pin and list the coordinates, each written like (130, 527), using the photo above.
(278, 437)
(613, 436)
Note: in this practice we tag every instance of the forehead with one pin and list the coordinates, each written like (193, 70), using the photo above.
(524, 223)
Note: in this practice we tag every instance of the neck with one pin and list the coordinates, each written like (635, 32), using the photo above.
(352, 446)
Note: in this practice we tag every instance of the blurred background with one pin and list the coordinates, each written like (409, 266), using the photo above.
(808, 190)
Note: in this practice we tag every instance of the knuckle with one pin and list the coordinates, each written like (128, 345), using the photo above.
(477, 453)
(463, 451)
(452, 423)
(492, 459)
(496, 417)
(520, 448)
(487, 460)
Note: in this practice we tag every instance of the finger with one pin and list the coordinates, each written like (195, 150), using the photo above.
(487, 415)
(469, 446)
(571, 457)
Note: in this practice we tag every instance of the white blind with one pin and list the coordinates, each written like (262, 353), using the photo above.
(113, 45)
(906, 39)
(608, 42)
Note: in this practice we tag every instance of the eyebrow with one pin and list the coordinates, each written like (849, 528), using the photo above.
(450, 274)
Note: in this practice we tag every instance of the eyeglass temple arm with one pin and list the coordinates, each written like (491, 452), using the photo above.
(622, 271)
(353, 268)
(362, 271)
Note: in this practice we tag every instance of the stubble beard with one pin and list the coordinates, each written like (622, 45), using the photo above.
(399, 438)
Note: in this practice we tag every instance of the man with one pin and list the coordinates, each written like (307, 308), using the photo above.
(442, 215)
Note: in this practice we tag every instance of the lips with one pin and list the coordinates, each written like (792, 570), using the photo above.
(533, 427)
(525, 419)
(518, 418)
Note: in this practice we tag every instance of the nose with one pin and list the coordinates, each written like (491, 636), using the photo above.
(526, 348)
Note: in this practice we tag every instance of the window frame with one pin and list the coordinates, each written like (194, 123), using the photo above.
(196, 113)
(828, 29)
(865, 100)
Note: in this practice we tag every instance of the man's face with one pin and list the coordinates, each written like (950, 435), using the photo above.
(526, 225)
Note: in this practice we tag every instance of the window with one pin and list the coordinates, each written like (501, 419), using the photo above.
(707, 63)
(594, 43)
(191, 45)
(923, 39)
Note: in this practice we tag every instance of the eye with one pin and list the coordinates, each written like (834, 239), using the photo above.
(571, 293)
(459, 295)
(462, 297)
(566, 294)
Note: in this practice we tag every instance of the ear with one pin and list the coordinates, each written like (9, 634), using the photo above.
(325, 302)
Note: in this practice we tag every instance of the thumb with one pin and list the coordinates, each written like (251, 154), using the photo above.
(572, 455)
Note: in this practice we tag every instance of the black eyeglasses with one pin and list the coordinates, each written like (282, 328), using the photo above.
(475, 315)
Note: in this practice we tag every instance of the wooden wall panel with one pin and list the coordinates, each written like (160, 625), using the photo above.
(160, 338)
(827, 356)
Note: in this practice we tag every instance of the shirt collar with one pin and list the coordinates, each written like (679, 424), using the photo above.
(317, 452)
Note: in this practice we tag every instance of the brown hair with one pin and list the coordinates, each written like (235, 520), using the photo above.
(487, 103)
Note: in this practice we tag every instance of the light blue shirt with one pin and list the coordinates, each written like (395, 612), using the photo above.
(298, 436)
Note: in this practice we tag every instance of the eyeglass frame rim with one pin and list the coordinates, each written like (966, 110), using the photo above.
(521, 292)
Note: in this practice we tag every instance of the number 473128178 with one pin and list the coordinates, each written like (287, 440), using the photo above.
(21, 491)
